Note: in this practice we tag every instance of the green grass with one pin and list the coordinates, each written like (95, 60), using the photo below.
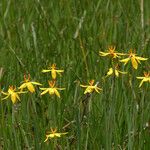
(34, 34)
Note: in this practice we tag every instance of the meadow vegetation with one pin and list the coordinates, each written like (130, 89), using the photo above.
(74, 74)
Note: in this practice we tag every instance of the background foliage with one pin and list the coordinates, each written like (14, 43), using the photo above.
(34, 34)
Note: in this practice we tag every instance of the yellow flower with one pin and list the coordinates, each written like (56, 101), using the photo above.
(134, 59)
(90, 88)
(115, 71)
(111, 52)
(54, 134)
(146, 78)
(52, 89)
(13, 94)
(29, 84)
(53, 71)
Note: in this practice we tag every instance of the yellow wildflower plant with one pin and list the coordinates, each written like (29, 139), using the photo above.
(54, 134)
(53, 71)
(115, 71)
(91, 87)
(134, 59)
(52, 89)
(146, 78)
(13, 94)
(110, 52)
(28, 84)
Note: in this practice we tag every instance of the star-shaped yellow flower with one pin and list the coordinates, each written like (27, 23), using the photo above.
(54, 134)
(110, 52)
(52, 89)
(90, 88)
(28, 84)
(53, 71)
(13, 94)
(134, 59)
(146, 78)
(115, 71)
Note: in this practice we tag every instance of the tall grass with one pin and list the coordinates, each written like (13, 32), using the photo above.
(35, 34)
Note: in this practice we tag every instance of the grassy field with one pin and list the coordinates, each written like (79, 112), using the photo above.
(34, 34)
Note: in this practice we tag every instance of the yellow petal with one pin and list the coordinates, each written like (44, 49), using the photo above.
(122, 54)
(51, 91)
(43, 88)
(83, 85)
(36, 83)
(44, 92)
(14, 97)
(5, 97)
(103, 53)
(125, 61)
(17, 96)
(64, 133)
(60, 88)
(140, 77)
(21, 92)
(97, 89)
(100, 89)
(46, 139)
(141, 83)
(57, 93)
(46, 71)
(59, 71)
(116, 73)
(22, 86)
(134, 63)
(88, 90)
(58, 134)
(4, 93)
(30, 87)
(53, 73)
(110, 72)
(122, 72)
(140, 58)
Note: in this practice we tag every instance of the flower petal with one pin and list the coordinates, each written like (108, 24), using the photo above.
(140, 58)
(43, 88)
(122, 72)
(140, 77)
(30, 87)
(59, 71)
(97, 89)
(44, 92)
(141, 83)
(5, 97)
(58, 134)
(46, 71)
(103, 53)
(60, 88)
(57, 93)
(36, 83)
(116, 73)
(125, 61)
(53, 73)
(110, 72)
(14, 97)
(4, 93)
(83, 85)
(134, 63)
(22, 86)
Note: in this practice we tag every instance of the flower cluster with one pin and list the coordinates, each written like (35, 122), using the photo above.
(14, 92)
(131, 56)
(53, 134)
(28, 85)
(52, 89)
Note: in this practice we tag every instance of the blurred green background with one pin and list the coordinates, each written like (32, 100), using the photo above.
(37, 33)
